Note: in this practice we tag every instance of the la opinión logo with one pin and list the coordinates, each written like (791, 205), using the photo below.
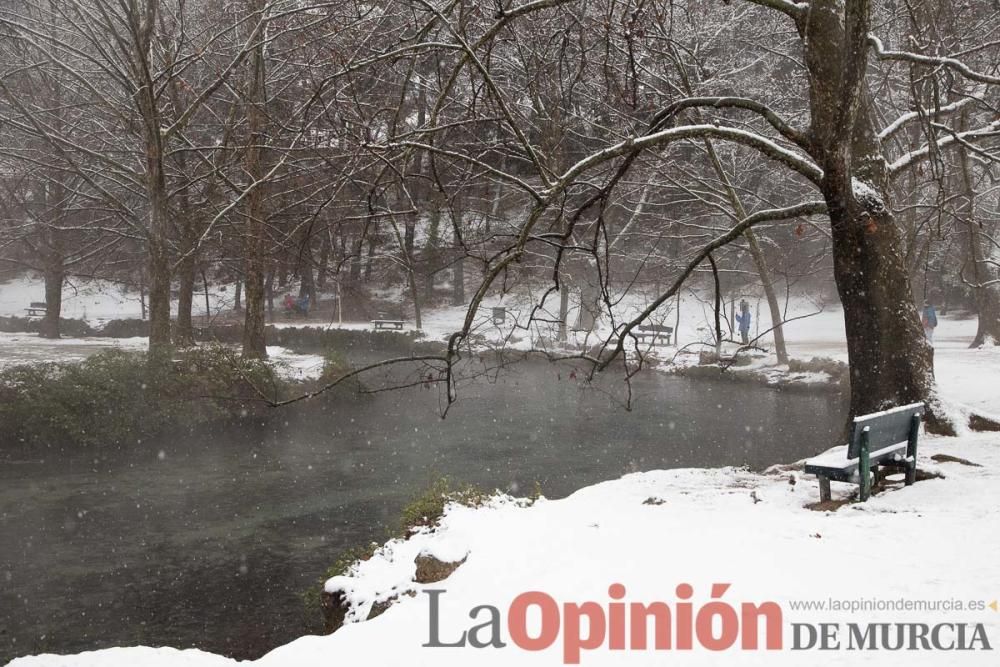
(618, 625)
(535, 621)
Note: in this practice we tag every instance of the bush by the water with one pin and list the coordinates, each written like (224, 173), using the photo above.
(74, 328)
(345, 341)
(131, 328)
(116, 396)
(427, 508)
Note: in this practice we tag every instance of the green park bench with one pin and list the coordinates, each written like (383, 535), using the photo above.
(885, 439)
(37, 309)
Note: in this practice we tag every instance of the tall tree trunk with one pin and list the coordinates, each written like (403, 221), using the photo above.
(764, 273)
(458, 281)
(54, 276)
(564, 289)
(254, 344)
(324, 259)
(357, 248)
(307, 284)
(143, 306)
(184, 329)
(142, 22)
(159, 278)
(208, 301)
(238, 295)
(431, 252)
(891, 361)
(269, 293)
(370, 259)
(409, 262)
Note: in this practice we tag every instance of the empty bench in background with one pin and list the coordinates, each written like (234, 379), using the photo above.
(396, 325)
(657, 333)
(37, 308)
(885, 439)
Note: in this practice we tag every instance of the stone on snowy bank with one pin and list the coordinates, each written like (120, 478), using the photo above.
(335, 606)
(431, 570)
(948, 458)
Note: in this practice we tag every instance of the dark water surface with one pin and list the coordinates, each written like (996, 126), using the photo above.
(208, 540)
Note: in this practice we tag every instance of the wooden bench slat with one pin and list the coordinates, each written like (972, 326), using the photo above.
(884, 428)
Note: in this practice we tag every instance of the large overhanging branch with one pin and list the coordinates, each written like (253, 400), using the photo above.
(794, 9)
(769, 215)
(795, 161)
(963, 138)
(936, 61)
(787, 131)
(901, 122)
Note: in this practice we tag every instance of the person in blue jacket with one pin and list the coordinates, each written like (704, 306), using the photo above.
(743, 320)
(929, 319)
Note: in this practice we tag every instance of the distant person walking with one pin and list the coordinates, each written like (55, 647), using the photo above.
(929, 320)
(743, 319)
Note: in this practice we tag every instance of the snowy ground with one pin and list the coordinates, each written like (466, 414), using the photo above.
(295, 366)
(27, 348)
(97, 301)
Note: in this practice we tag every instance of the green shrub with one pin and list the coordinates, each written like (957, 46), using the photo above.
(342, 341)
(335, 366)
(67, 327)
(130, 328)
(118, 396)
(427, 508)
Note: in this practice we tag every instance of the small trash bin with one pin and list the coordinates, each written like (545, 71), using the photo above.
(499, 315)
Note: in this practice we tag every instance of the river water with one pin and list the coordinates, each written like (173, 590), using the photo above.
(208, 540)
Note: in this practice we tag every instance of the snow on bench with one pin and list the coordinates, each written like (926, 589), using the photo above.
(657, 332)
(886, 439)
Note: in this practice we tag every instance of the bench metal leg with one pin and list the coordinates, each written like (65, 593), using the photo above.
(864, 468)
(824, 489)
(911, 450)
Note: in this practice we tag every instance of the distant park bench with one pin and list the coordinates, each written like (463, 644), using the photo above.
(656, 333)
(37, 309)
(388, 324)
(884, 439)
